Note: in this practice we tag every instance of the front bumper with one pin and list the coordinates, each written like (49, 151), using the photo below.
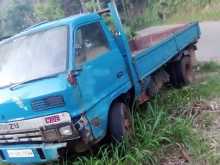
(41, 153)
(48, 149)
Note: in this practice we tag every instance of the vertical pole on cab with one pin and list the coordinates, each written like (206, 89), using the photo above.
(124, 47)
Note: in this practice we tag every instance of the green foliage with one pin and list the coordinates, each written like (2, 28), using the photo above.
(50, 10)
(155, 130)
(23, 13)
(210, 67)
(131, 33)
(173, 11)
(91, 5)
(15, 18)
(18, 15)
(149, 18)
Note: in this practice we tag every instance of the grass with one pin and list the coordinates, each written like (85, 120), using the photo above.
(180, 11)
(154, 130)
(189, 12)
(159, 125)
(209, 67)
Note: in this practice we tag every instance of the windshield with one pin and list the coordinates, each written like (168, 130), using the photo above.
(33, 56)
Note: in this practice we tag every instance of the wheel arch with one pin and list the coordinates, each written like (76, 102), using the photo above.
(127, 97)
(102, 109)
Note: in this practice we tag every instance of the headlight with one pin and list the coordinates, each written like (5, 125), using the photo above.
(61, 134)
(66, 131)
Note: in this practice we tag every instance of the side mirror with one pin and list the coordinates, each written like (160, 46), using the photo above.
(72, 79)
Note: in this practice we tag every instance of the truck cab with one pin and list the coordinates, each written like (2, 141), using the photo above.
(57, 81)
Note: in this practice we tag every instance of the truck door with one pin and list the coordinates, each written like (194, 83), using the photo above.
(99, 65)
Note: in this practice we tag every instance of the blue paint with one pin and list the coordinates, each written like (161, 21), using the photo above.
(99, 83)
(50, 151)
(161, 53)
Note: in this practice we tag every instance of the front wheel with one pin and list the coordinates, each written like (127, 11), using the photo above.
(120, 122)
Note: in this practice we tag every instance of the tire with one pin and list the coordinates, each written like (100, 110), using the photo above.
(187, 70)
(152, 89)
(181, 72)
(120, 122)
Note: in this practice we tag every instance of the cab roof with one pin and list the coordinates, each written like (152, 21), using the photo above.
(74, 20)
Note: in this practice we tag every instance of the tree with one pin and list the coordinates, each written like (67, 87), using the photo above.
(71, 7)
(49, 10)
(98, 4)
(93, 5)
(83, 6)
(17, 17)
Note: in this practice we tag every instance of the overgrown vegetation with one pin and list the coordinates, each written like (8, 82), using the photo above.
(209, 67)
(177, 11)
(15, 15)
(48, 11)
(162, 126)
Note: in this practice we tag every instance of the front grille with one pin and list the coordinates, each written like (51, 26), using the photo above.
(31, 130)
(21, 137)
(48, 103)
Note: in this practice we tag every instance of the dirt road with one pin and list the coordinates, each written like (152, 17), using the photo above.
(209, 44)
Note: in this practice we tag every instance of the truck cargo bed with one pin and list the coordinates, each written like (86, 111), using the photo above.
(146, 38)
(156, 48)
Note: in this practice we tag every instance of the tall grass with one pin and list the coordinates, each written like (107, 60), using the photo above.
(210, 67)
(154, 131)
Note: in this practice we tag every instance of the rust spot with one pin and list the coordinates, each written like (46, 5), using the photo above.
(143, 98)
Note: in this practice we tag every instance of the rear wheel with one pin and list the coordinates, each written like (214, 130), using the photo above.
(120, 122)
(181, 72)
(187, 70)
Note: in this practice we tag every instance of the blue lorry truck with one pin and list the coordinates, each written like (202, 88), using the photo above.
(67, 84)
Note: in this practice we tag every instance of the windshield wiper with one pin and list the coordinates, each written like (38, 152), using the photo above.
(16, 85)
(5, 86)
